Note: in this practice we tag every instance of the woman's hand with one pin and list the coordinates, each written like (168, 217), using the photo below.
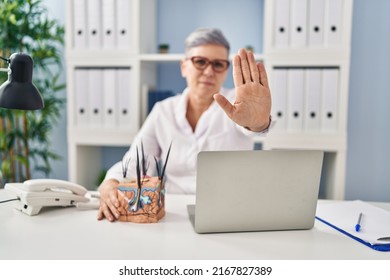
(109, 200)
(252, 106)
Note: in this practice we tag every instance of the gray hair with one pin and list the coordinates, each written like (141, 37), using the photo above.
(206, 36)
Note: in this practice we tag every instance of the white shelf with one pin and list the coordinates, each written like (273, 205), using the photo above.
(100, 58)
(101, 137)
(302, 57)
(176, 57)
(169, 57)
(309, 56)
(317, 141)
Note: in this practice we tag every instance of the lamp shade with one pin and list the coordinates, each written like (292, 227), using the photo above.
(18, 92)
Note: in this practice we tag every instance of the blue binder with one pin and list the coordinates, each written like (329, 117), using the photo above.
(157, 95)
(378, 247)
(361, 221)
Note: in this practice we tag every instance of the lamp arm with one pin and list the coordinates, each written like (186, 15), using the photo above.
(4, 69)
(5, 59)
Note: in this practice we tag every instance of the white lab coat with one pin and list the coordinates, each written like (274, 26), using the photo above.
(167, 123)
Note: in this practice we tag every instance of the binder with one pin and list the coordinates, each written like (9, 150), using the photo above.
(298, 23)
(94, 16)
(123, 23)
(110, 98)
(295, 100)
(155, 96)
(81, 97)
(312, 116)
(79, 24)
(343, 216)
(108, 25)
(333, 22)
(316, 22)
(125, 98)
(95, 97)
(279, 96)
(282, 23)
(330, 86)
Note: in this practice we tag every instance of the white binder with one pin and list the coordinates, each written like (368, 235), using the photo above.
(123, 23)
(108, 27)
(95, 95)
(295, 100)
(316, 22)
(313, 87)
(79, 24)
(81, 97)
(125, 98)
(333, 22)
(94, 24)
(110, 99)
(282, 23)
(298, 23)
(279, 96)
(330, 88)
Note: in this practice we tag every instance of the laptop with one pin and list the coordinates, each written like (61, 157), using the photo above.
(256, 190)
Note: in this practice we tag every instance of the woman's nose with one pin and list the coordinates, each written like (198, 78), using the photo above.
(209, 70)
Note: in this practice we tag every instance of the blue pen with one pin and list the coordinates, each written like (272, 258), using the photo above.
(357, 227)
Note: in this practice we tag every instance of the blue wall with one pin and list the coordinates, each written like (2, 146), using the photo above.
(176, 19)
(368, 158)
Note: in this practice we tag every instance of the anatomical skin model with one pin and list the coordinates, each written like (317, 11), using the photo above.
(142, 200)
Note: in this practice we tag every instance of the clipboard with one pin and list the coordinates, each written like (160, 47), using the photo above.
(343, 216)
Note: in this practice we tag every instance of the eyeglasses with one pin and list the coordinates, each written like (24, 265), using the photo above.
(201, 63)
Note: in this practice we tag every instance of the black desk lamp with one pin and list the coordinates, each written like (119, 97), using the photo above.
(18, 92)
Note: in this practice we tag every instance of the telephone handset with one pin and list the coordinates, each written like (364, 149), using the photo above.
(37, 193)
(41, 185)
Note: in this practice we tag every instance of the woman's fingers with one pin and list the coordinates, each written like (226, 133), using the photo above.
(245, 69)
(237, 73)
(263, 75)
(254, 71)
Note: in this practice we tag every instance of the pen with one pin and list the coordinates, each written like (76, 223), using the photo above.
(357, 226)
(386, 238)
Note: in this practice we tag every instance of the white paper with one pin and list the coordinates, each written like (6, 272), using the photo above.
(375, 222)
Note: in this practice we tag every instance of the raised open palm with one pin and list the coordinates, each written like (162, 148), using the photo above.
(252, 106)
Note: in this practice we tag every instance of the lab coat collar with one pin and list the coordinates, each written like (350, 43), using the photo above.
(180, 115)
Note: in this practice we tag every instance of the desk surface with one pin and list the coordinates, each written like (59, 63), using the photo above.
(71, 233)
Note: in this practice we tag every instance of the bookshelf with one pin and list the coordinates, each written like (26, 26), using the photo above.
(323, 111)
(133, 19)
(141, 58)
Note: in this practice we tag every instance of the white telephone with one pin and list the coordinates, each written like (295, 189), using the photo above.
(37, 193)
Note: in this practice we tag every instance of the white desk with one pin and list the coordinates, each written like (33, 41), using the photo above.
(70, 233)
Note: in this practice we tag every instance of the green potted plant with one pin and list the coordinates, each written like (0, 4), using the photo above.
(24, 135)
(163, 48)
